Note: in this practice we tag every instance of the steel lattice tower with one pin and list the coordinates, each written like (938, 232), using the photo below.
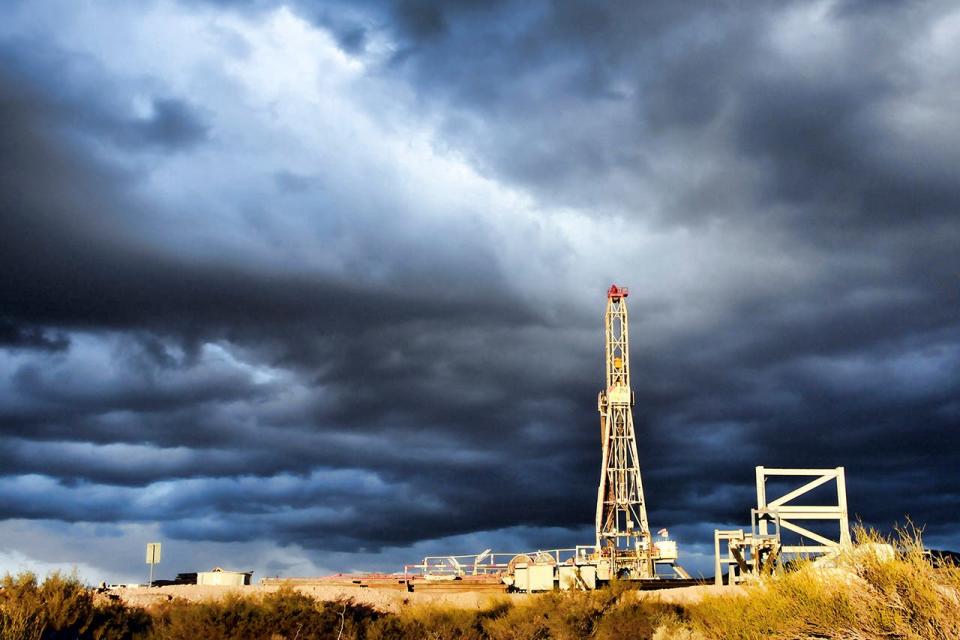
(622, 529)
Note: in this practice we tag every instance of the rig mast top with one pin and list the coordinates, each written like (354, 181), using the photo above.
(617, 292)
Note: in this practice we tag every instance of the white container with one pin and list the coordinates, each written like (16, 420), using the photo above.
(222, 578)
(540, 577)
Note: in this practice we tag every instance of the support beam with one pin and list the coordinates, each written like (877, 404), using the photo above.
(786, 524)
(842, 503)
(774, 471)
(813, 484)
(762, 497)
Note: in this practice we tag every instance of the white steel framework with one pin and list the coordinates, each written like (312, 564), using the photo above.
(750, 555)
(784, 511)
(622, 528)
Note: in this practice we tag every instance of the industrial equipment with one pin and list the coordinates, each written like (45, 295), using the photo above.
(624, 547)
(749, 555)
(623, 534)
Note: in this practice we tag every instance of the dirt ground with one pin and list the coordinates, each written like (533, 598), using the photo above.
(382, 599)
(687, 595)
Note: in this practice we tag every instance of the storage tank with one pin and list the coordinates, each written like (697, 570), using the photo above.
(224, 578)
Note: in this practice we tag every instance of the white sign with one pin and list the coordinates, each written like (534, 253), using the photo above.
(153, 553)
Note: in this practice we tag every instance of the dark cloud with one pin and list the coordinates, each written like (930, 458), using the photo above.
(570, 98)
(420, 20)
(171, 124)
(290, 181)
(419, 384)
(13, 335)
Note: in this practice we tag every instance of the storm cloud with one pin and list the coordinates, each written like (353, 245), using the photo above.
(325, 281)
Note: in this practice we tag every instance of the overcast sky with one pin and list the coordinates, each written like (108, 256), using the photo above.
(306, 287)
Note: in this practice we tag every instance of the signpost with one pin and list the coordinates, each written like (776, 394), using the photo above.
(153, 557)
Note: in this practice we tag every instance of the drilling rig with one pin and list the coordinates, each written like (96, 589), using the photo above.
(624, 547)
(623, 533)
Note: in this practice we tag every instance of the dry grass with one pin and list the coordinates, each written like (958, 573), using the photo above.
(872, 591)
(282, 615)
(62, 608)
(879, 589)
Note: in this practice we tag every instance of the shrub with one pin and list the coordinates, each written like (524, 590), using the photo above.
(638, 620)
(284, 614)
(903, 594)
(429, 623)
(21, 616)
(607, 613)
(799, 604)
(62, 608)
(879, 588)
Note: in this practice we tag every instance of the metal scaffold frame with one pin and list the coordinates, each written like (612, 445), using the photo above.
(750, 555)
(781, 509)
